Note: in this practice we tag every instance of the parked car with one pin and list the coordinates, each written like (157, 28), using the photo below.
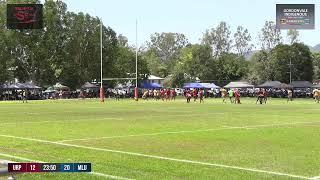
(179, 91)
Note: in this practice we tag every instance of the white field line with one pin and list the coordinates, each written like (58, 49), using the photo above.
(248, 128)
(93, 173)
(192, 131)
(59, 121)
(160, 157)
(19, 158)
(190, 114)
(315, 178)
(38, 113)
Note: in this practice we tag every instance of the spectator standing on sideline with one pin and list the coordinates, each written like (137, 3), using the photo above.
(201, 94)
(290, 94)
(24, 96)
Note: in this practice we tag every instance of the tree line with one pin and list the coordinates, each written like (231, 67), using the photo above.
(222, 57)
(67, 50)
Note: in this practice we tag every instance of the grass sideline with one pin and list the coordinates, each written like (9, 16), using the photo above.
(278, 137)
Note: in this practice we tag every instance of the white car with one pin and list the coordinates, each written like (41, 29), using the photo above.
(179, 91)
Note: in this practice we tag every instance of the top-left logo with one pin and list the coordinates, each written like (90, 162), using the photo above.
(24, 16)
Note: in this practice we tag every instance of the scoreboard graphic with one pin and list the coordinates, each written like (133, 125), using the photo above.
(295, 16)
(24, 16)
(48, 167)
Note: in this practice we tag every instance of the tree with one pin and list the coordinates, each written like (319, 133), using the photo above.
(49, 51)
(218, 38)
(5, 54)
(270, 36)
(231, 67)
(178, 78)
(316, 65)
(67, 49)
(260, 68)
(126, 63)
(167, 45)
(154, 64)
(123, 40)
(196, 61)
(300, 56)
(163, 51)
(242, 40)
(303, 62)
(293, 35)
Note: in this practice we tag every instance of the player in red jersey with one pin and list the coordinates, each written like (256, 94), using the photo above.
(195, 95)
(188, 96)
(168, 93)
(162, 94)
(237, 97)
(265, 96)
(201, 93)
(174, 94)
(260, 97)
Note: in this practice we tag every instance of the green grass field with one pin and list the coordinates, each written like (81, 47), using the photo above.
(165, 140)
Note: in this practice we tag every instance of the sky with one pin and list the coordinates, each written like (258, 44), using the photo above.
(190, 17)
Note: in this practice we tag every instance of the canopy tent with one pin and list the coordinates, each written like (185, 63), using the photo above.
(238, 85)
(301, 84)
(286, 86)
(30, 85)
(316, 86)
(50, 90)
(270, 84)
(3, 86)
(59, 86)
(209, 85)
(147, 85)
(19, 86)
(11, 87)
(274, 84)
(88, 85)
(192, 85)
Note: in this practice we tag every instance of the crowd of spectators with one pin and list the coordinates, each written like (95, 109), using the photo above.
(129, 93)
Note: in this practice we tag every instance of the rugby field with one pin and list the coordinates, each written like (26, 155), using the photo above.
(165, 140)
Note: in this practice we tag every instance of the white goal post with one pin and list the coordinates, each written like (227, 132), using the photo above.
(114, 79)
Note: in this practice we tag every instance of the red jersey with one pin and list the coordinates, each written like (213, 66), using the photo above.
(264, 93)
(162, 92)
(168, 92)
(195, 93)
(173, 92)
(236, 94)
(201, 93)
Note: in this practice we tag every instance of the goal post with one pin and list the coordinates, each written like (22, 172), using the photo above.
(117, 79)
(105, 79)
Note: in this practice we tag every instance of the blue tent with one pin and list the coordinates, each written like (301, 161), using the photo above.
(209, 85)
(192, 85)
(146, 85)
